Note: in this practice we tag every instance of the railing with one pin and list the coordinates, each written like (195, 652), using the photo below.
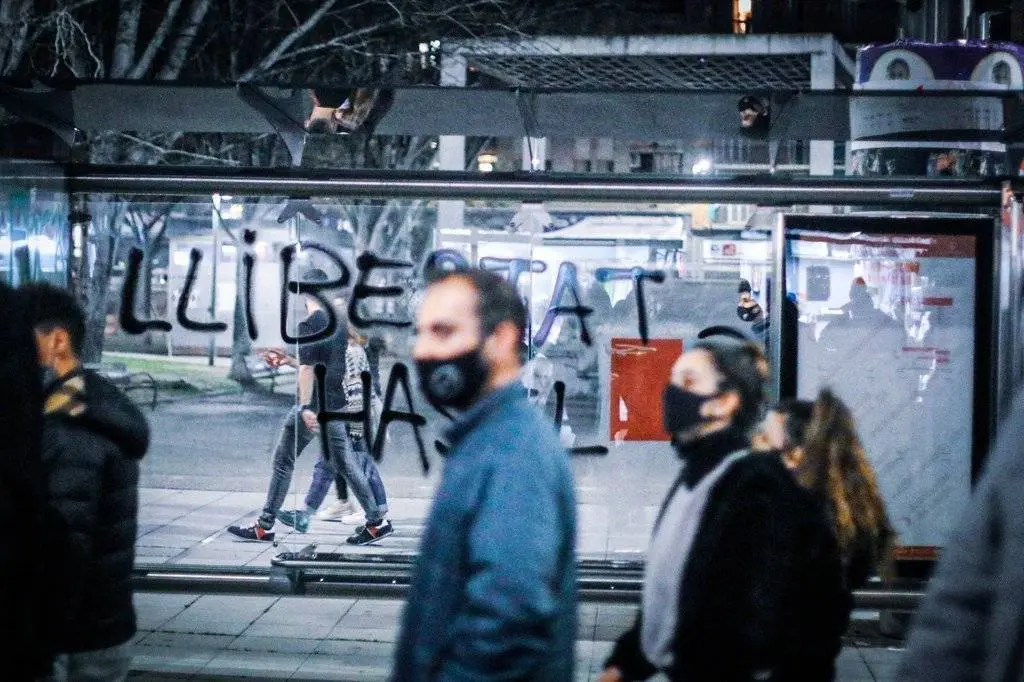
(171, 181)
(379, 576)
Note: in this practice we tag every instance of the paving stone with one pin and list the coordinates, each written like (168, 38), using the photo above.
(219, 614)
(189, 641)
(170, 660)
(153, 610)
(318, 667)
(246, 664)
(273, 644)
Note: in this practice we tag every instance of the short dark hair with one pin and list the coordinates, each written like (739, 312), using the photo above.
(797, 415)
(497, 300)
(52, 308)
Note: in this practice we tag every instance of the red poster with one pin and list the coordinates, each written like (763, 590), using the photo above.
(639, 376)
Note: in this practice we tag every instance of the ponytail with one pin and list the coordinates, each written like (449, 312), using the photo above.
(836, 467)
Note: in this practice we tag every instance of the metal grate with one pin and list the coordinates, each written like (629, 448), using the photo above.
(720, 72)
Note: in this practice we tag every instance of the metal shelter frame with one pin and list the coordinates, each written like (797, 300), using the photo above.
(337, 576)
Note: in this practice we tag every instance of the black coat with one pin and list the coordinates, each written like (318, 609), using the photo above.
(762, 589)
(93, 438)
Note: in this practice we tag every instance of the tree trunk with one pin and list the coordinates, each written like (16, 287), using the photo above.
(186, 35)
(14, 18)
(241, 346)
(144, 306)
(106, 218)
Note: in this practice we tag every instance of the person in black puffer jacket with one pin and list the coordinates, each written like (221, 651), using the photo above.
(93, 439)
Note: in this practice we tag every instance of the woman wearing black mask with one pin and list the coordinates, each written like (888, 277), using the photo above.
(743, 575)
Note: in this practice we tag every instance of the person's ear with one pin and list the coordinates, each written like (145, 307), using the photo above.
(502, 343)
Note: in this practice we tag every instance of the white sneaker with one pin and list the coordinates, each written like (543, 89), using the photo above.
(337, 511)
(355, 519)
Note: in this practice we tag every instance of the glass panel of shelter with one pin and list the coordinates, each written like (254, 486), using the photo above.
(211, 458)
(887, 320)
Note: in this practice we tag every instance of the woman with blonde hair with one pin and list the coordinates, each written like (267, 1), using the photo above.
(818, 442)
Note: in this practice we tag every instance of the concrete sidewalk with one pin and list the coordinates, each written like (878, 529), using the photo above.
(296, 638)
(189, 527)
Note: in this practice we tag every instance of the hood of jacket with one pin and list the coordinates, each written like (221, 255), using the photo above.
(93, 403)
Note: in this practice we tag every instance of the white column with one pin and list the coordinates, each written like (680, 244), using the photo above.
(822, 152)
(823, 77)
(452, 152)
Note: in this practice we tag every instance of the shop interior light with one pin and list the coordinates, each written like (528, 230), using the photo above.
(702, 167)
(485, 162)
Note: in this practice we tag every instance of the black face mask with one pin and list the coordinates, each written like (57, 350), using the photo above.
(681, 409)
(748, 314)
(453, 382)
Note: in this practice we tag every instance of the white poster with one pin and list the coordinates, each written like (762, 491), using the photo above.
(900, 353)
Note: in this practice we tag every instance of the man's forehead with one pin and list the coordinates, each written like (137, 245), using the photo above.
(451, 295)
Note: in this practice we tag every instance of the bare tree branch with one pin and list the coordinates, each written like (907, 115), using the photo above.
(342, 41)
(183, 43)
(157, 41)
(44, 23)
(164, 151)
(297, 33)
(69, 39)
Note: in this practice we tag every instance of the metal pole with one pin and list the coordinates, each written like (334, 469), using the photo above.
(1016, 281)
(985, 25)
(387, 582)
(147, 180)
(778, 295)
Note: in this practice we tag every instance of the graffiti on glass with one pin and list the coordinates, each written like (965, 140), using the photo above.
(439, 261)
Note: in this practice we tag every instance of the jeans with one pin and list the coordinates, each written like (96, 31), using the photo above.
(322, 477)
(102, 665)
(358, 468)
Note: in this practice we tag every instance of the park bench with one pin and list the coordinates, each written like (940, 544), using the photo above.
(118, 374)
(260, 370)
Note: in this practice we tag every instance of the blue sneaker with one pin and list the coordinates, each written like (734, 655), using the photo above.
(294, 518)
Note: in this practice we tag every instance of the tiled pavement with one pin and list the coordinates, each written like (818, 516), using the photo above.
(266, 637)
(297, 638)
(189, 527)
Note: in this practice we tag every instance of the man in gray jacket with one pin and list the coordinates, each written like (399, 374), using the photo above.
(970, 625)
(494, 592)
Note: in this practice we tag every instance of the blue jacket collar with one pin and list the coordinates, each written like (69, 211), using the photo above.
(484, 408)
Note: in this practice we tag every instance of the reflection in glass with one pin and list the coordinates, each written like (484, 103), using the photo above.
(605, 395)
(893, 336)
